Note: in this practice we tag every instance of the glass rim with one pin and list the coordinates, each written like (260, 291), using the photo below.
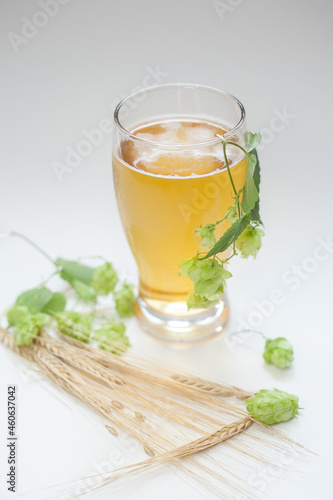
(208, 142)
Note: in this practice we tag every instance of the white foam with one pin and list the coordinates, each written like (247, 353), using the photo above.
(176, 133)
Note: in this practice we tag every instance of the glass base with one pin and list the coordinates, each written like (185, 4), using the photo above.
(171, 322)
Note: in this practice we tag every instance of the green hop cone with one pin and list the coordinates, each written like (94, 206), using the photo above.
(278, 352)
(112, 338)
(125, 301)
(272, 406)
(75, 325)
(196, 302)
(104, 279)
(231, 214)
(29, 327)
(208, 276)
(249, 242)
(207, 235)
(17, 314)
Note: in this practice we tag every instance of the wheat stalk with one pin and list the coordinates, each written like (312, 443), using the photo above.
(174, 416)
(188, 380)
(128, 389)
(167, 384)
(212, 388)
(196, 446)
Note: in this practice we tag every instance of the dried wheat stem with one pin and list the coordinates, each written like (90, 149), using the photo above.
(67, 378)
(52, 363)
(129, 392)
(183, 451)
(114, 385)
(110, 360)
(212, 388)
(7, 339)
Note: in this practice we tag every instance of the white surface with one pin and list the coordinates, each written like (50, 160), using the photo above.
(271, 55)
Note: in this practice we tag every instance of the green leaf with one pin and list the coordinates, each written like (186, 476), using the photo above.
(231, 235)
(34, 299)
(252, 141)
(250, 193)
(86, 292)
(56, 304)
(256, 177)
(72, 270)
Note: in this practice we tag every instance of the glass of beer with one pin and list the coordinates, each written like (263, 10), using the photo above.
(170, 178)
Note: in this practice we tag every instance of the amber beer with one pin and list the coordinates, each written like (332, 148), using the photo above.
(170, 177)
(162, 198)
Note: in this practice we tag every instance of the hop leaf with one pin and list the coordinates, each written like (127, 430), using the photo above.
(207, 235)
(78, 276)
(110, 335)
(249, 242)
(84, 291)
(104, 279)
(272, 406)
(75, 325)
(278, 352)
(196, 302)
(251, 190)
(252, 141)
(56, 304)
(125, 301)
(34, 299)
(231, 235)
(29, 327)
(87, 281)
(208, 277)
(71, 270)
(41, 299)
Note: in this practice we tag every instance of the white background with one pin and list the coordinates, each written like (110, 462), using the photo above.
(276, 57)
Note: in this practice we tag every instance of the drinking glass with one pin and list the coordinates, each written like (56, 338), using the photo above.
(170, 178)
